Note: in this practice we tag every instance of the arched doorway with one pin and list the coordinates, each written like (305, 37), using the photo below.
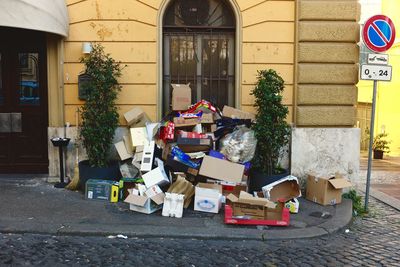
(199, 48)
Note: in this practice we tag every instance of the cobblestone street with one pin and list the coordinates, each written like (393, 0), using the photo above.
(371, 241)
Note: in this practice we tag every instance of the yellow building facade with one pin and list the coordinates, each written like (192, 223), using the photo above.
(312, 44)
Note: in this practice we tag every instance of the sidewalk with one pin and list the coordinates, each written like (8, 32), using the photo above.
(385, 179)
(34, 206)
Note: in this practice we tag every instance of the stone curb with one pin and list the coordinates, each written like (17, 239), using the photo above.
(342, 219)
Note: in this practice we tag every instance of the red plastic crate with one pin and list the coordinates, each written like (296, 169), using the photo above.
(283, 222)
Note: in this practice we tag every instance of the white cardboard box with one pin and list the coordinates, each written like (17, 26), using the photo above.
(208, 197)
(144, 204)
(139, 136)
(157, 176)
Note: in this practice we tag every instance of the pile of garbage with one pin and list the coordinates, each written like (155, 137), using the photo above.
(195, 154)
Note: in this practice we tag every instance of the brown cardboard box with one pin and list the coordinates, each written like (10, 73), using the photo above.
(326, 190)
(237, 113)
(136, 117)
(188, 145)
(122, 150)
(181, 96)
(221, 169)
(182, 122)
(183, 186)
(251, 207)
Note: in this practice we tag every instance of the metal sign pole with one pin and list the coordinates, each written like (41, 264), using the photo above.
(371, 140)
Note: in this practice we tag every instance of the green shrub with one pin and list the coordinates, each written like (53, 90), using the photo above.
(99, 113)
(271, 129)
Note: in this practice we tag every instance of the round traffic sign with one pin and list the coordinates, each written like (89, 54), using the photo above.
(379, 33)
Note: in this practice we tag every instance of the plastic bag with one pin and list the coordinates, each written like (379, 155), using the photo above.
(240, 145)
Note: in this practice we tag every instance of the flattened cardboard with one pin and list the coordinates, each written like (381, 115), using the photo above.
(221, 169)
(181, 96)
(320, 189)
(237, 113)
(284, 189)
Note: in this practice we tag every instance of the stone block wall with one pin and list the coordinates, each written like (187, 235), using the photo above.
(327, 63)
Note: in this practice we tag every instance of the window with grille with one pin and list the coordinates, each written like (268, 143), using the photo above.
(199, 48)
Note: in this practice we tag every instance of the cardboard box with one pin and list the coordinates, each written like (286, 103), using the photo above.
(136, 117)
(128, 144)
(139, 136)
(128, 170)
(247, 209)
(102, 189)
(221, 169)
(148, 156)
(157, 176)
(237, 113)
(181, 96)
(183, 186)
(124, 185)
(207, 118)
(208, 197)
(144, 204)
(326, 190)
(122, 150)
(194, 144)
(284, 189)
(178, 166)
(182, 122)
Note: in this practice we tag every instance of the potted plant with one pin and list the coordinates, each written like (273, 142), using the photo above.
(271, 129)
(99, 115)
(380, 145)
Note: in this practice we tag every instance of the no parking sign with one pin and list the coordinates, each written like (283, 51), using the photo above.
(379, 33)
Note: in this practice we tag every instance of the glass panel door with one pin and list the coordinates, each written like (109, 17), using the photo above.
(1, 82)
(28, 66)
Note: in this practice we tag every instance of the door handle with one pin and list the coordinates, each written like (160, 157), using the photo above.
(16, 122)
(5, 123)
(10, 122)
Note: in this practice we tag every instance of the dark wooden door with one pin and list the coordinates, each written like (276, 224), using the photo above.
(23, 102)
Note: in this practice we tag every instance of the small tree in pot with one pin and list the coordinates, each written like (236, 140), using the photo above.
(99, 113)
(271, 129)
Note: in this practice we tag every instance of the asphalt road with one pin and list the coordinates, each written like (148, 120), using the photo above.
(371, 241)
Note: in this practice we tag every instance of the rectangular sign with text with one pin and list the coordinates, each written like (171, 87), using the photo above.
(376, 72)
